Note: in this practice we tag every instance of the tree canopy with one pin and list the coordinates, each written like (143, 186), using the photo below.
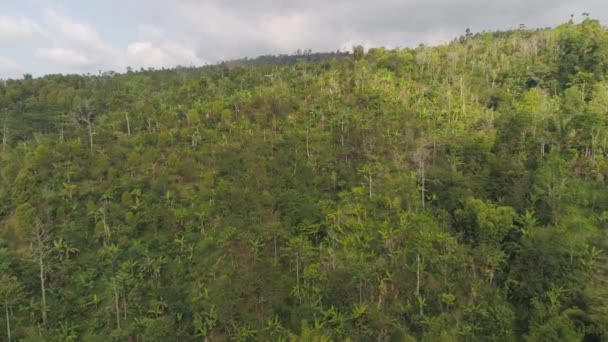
(455, 192)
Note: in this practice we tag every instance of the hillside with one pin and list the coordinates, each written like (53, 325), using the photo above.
(447, 193)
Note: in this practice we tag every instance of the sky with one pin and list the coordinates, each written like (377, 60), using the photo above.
(84, 36)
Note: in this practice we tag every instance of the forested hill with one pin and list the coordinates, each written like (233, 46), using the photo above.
(449, 193)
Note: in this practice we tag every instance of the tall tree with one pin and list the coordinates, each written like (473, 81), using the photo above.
(41, 248)
(11, 293)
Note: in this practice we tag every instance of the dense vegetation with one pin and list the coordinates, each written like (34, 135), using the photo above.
(456, 192)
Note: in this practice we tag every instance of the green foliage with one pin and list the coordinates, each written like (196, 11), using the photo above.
(483, 223)
(445, 193)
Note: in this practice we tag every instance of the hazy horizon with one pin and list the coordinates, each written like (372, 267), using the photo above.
(46, 37)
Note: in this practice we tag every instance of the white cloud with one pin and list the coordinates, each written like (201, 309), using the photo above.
(9, 67)
(194, 31)
(291, 31)
(144, 53)
(63, 56)
(78, 33)
(17, 29)
(147, 54)
(152, 49)
(236, 28)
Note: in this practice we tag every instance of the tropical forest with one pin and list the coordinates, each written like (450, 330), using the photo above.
(453, 192)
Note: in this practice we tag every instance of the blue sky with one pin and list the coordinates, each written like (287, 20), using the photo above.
(69, 36)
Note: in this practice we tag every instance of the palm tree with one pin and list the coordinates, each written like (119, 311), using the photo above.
(100, 216)
(64, 249)
(367, 172)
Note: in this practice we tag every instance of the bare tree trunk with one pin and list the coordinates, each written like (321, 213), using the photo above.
(42, 288)
(449, 103)
(4, 138)
(370, 185)
(542, 149)
(307, 149)
(106, 228)
(462, 95)
(8, 323)
(86, 115)
(128, 125)
(90, 136)
(360, 291)
(116, 303)
(276, 255)
(418, 274)
(422, 182)
(420, 155)
(298, 277)
(124, 307)
(40, 251)
(342, 130)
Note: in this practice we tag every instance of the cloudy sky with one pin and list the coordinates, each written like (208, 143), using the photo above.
(79, 36)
